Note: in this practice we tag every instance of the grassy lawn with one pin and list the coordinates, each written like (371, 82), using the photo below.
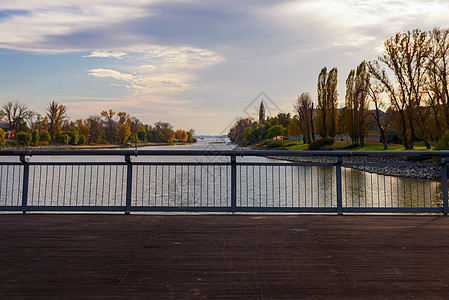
(339, 145)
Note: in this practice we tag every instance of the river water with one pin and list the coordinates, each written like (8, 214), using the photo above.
(165, 181)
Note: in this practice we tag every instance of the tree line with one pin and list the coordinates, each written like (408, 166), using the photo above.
(108, 127)
(405, 91)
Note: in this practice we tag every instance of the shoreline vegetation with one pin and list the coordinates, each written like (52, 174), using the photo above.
(86, 147)
(19, 126)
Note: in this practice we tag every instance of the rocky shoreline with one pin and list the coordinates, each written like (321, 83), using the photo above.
(427, 172)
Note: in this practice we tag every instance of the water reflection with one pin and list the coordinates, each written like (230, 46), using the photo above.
(208, 183)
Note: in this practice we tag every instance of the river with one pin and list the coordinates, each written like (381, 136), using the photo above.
(207, 184)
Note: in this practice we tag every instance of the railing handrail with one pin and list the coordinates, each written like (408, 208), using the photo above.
(331, 153)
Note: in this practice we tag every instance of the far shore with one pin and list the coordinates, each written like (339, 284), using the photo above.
(84, 147)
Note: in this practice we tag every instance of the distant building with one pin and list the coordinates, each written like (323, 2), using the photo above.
(5, 126)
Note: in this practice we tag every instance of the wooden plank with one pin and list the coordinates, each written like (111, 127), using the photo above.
(223, 256)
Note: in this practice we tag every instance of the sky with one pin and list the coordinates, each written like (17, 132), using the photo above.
(196, 64)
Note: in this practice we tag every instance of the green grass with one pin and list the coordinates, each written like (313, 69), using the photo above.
(340, 145)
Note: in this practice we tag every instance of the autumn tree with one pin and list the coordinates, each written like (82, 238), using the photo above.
(327, 102)
(124, 132)
(406, 56)
(164, 132)
(56, 113)
(357, 104)
(438, 78)
(181, 135)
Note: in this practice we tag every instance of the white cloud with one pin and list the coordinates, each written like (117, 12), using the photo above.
(160, 69)
(105, 54)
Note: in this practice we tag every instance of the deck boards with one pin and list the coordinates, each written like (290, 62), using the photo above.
(224, 256)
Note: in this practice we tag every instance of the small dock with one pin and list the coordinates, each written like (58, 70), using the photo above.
(223, 256)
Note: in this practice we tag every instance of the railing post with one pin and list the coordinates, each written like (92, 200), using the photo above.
(233, 184)
(26, 174)
(339, 186)
(129, 183)
(444, 185)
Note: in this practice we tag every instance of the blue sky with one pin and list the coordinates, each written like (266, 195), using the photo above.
(197, 64)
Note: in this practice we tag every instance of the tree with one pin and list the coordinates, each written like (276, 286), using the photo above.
(95, 129)
(142, 134)
(275, 131)
(236, 133)
(327, 102)
(64, 138)
(381, 119)
(110, 125)
(124, 133)
(74, 135)
(2, 138)
(24, 138)
(406, 56)
(438, 71)
(82, 139)
(56, 114)
(164, 132)
(332, 101)
(181, 135)
(45, 136)
(35, 137)
(261, 113)
(15, 113)
(294, 129)
(304, 109)
(357, 104)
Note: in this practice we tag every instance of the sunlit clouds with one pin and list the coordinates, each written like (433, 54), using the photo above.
(161, 69)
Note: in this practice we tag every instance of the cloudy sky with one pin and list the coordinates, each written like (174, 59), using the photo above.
(196, 64)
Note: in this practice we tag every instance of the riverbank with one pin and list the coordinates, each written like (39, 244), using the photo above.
(427, 172)
(84, 147)
(413, 171)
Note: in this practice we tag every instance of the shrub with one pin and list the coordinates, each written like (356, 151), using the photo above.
(2, 138)
(45, 136)
(82, 139)
(322, 144)
(35, 137)
(133, 138)
(65, 138)
(74, 135)
(142, 134)
(274, 144)
(24, 138)
(44, 143)
(443, 143)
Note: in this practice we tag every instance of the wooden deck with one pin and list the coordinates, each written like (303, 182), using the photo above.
(203, 257)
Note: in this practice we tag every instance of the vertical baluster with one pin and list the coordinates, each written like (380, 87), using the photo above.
(26, 172)
(129, 180)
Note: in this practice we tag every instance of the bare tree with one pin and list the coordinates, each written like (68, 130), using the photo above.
(303, 107)
(15, 113)
(95, 128)
(375, 90)
(110, 124)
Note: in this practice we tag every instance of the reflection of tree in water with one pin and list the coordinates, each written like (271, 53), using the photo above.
(365, 189)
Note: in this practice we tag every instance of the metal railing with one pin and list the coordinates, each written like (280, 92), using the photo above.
(221, 181)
